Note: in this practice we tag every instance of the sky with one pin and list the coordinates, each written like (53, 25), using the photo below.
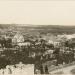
(37, 12)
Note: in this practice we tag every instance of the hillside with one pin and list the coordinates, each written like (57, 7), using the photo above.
(43, 29)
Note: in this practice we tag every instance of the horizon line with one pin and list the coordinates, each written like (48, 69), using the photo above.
(34, 24)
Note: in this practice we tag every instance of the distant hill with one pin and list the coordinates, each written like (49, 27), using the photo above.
(43, 29)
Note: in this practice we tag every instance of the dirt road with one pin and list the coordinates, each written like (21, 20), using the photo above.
(63, 70)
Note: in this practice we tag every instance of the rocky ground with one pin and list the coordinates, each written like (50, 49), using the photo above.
(18, 69)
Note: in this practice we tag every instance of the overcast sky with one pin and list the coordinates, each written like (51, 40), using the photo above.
(38, 12)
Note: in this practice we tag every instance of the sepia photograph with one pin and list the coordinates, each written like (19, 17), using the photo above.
(37, 37)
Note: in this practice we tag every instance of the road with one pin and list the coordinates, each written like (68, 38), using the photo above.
(65, 70)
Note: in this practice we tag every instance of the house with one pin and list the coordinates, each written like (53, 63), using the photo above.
(18, 38)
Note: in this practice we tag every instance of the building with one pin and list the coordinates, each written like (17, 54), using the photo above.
(18, 38)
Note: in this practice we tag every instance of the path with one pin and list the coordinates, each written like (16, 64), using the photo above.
(66, 70)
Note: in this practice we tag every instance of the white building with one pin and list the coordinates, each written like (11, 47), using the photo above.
(18, 38)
